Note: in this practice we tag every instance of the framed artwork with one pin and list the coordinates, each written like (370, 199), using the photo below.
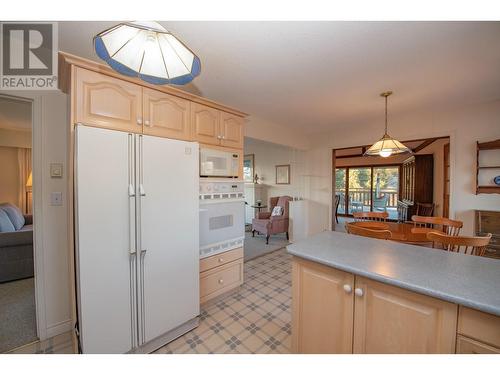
(248, 167)
(283, 174)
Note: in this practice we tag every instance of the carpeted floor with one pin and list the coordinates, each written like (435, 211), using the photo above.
(17, 314)
(256, 246)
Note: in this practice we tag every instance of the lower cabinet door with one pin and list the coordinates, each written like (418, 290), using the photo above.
(469, 346)
(388, 319)
(322, 313)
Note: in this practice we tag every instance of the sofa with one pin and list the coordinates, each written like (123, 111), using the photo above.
(16, 244)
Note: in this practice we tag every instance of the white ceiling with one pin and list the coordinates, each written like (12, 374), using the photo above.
(316, 76)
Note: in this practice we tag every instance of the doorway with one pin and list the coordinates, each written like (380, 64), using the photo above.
(17, 268)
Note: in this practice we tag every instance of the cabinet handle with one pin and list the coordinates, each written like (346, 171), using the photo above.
(219, 137)
(139, 121)
(221, 281)
(221, 260)
(347, 288)
(358, 292)
(146, 122)
(223, 137)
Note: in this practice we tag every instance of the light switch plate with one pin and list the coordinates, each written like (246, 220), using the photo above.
(56, 170)
(56, 198)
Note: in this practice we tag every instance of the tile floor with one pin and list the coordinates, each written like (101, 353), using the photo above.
(254, 319)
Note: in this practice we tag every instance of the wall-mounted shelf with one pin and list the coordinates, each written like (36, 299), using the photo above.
(486, 189)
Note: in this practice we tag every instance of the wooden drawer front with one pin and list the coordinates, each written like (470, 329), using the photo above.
(469, 346)
(220, 259)
(107, 102)
(480, 326)
(220, 279)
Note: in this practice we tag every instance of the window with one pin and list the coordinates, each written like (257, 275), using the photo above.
(368, 188)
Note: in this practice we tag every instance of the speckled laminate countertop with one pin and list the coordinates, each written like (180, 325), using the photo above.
(466, 280)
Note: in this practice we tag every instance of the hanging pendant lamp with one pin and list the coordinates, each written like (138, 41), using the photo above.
(148, 51)
(387, 145)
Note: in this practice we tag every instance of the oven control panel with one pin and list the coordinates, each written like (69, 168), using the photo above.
(221, 189)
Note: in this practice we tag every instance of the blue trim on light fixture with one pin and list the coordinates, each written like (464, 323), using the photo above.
(102, 52)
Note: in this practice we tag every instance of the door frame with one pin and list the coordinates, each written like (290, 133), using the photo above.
(37, 167)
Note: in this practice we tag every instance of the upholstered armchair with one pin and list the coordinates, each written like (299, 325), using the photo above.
(267, 224)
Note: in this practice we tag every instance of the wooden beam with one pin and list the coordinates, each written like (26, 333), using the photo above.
(424, 145)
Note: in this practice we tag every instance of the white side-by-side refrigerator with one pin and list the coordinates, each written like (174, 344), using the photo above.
(136, 239)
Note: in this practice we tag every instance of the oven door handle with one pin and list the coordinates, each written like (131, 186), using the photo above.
(203, 209)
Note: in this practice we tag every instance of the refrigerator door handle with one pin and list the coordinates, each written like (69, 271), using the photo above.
(141, 190)
(142, 304)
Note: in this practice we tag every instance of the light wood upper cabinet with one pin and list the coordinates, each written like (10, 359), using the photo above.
(166, 115)
(388, 319)
(107, 102)
(322, 310)
(205, 124)
(231, 130)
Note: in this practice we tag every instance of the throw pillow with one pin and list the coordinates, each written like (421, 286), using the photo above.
(5, 223)
(15, 215)
(277, 211)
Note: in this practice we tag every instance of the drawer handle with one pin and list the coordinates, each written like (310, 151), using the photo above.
(347, 288)
(221, 260)
(221, 281)
(358, 292)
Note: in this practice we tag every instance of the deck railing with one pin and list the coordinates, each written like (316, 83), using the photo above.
(363, 197)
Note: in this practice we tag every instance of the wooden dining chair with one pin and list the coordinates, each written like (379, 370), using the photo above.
(460, 244)
(382, 234)
(337, 202)
(448, 226)
(375, 216)
(425, 209)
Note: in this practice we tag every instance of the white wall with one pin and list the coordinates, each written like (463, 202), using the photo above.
(9, 177)
(258, 128)
(267, 157)
(51, 222)
(465, 126)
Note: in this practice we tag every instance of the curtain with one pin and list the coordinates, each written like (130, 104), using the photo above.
(24, 194)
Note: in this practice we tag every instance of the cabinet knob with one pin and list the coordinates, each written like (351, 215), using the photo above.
(347, 288)
(358, 292)
(139, 121)
(221, 260)
(219, 137)
(221, 281)
(146, 122)
(223, 137)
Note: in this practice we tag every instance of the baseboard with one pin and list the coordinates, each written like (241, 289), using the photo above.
(167, 337)
(58, 328)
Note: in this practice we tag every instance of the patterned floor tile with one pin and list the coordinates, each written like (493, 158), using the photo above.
(254, 319)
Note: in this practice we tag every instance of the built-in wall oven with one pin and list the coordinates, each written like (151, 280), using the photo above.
(222, 216)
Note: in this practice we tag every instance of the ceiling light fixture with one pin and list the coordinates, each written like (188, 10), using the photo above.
(148, 51)
(387, 145)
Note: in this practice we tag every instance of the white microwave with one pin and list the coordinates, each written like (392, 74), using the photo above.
(217, 163)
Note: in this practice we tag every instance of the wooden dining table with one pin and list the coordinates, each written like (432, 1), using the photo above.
(402, 232)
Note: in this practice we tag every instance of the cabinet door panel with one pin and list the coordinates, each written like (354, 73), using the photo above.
(166, 115)
(232, 130)
(322, 313)
(205, 122)
(388, 319)
(469, 346)
(107, 102)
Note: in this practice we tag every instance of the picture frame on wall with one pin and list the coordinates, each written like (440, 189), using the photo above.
(283, 174)
(249, 168)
